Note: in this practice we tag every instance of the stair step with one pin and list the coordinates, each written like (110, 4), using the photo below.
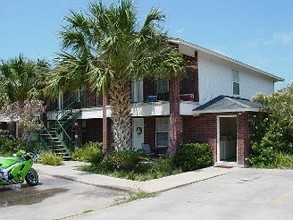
(66, 157)
(52, 135)
(62, 153)
(59, 151)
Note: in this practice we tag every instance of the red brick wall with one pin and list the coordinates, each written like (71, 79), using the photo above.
(149, 131)
(202, 128)
(244, 148)
(94, 130)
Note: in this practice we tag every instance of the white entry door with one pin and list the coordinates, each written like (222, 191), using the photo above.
(137, 132)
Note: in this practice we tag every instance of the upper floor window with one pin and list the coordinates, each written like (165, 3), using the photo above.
(137, 91)
(161, 85)
(235, 82)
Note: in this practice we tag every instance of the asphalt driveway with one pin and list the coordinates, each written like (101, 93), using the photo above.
(245, 194)
(54, 198)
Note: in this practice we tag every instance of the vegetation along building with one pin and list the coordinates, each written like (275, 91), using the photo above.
(215, 107)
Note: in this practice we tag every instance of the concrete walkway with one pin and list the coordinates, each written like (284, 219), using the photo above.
(69, 170)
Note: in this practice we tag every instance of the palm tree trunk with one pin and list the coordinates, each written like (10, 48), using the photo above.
(174, 124)
(105, 125)
(120, 98)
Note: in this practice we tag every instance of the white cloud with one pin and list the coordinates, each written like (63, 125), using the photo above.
(285, 38)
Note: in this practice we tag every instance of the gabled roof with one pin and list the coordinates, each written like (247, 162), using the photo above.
(223, 104)
(224, 57)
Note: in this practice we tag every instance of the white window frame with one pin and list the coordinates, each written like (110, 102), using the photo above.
(162, 129)
(165, 120)
(137, 91)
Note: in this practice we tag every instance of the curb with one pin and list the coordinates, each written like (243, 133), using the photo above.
(73, 179)
(140, 185)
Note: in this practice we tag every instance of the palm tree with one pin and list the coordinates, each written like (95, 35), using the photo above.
(106, 49)
(21, 84)
(22, 79)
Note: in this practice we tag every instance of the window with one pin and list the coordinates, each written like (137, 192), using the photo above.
(162, 128)
(137, 91)
(162, 89)
(235, 82)
(162, 131)
(161, 85)
(79, 95)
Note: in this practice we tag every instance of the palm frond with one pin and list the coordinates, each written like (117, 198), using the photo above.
(69, 74)
(100, 77)
(20, 76)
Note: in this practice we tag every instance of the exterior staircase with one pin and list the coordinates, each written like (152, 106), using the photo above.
(55, 135)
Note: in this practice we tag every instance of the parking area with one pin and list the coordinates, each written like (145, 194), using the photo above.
(54, 198)
(245, 194)
(241, 194)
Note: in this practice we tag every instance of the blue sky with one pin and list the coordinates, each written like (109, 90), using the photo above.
(257, 32)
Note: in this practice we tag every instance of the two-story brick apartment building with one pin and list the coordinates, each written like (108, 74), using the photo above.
(214, 106)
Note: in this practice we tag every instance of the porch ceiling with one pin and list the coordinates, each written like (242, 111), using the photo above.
(222, 104)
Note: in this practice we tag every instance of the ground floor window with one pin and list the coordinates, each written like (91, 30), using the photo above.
(162, 131)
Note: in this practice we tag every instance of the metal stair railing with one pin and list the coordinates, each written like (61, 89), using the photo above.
(65, 141)
(72, 117)
(60, 127)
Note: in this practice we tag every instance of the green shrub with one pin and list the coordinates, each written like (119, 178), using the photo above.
(91, 152)
(126, 160)
(193, 156)
(164, 166)
(283, 161)
(31, 146)
(49, 158)
(104, 167)
(262, 155)
(9, 145)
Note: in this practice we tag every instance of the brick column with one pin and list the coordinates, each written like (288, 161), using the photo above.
(244, 148)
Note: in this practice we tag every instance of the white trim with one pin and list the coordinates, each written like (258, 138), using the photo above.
(218, 137)
(197, 112)
(8, 119)
(137, 139)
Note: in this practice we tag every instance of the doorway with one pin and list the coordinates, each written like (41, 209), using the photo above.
(227, 139)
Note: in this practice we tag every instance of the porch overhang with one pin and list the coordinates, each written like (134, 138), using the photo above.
(8, 119)
(228, 104)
